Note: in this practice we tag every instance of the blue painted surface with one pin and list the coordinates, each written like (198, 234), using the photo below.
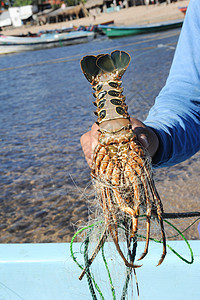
(47, 271)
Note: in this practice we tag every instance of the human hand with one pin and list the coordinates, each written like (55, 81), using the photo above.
(89, 141)
(146, 136)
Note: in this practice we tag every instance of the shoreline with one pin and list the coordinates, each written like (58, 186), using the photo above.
(136, 15)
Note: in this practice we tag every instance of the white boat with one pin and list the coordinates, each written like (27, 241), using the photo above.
(47, 271)
(12, 44)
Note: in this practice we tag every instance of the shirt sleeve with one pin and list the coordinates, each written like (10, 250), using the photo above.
(175, 116)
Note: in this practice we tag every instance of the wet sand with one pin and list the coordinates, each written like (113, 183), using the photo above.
(133, 15)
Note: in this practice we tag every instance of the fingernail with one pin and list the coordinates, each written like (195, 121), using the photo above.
(143, 140)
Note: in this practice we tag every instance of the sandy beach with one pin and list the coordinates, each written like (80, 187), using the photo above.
(133, 15)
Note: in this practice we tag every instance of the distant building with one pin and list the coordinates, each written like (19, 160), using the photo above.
(63, 14)
(16, 16)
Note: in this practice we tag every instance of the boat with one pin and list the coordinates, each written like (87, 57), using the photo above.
(47, 271)
(183, 9)
(119, 31)
(12, 44)
(106, 23)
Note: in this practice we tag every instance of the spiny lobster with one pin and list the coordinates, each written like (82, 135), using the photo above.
(121, 167)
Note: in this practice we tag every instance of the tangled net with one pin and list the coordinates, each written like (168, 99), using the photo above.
(95, 234)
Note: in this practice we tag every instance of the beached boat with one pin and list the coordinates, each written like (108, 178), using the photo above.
(47, 271)
(183, 9)
(119, 31)
(12, 44)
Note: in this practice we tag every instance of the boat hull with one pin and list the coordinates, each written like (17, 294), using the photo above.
(120, 31)
(47, 271)
(12, 44)
(183, 9)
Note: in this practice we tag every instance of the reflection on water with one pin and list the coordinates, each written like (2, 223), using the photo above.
(46, 105)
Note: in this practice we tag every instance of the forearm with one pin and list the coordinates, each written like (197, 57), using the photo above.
(178, 133)
(175, 117)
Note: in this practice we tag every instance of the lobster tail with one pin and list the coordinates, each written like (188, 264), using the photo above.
(116, 63)
(89, 67)
(104, 72)
(121, 60)
(106, 64)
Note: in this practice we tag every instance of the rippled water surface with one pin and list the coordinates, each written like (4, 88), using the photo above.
(45, 107)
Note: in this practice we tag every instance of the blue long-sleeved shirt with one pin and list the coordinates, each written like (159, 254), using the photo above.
(175, 115)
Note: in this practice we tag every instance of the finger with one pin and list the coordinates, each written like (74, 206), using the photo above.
(86, 146)
(89, 141)
(136, 123)
(146, 136)
(94, 127)
(94, 136)
(143, 140)
(148, 139)
(139, 129)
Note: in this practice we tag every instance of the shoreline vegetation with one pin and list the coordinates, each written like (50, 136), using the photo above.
(136, 15)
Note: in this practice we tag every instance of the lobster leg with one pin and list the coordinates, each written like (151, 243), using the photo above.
(159, 206)
(156, 198)
(112, 210)
(115, 238)
(160, 218)
(133, 172)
